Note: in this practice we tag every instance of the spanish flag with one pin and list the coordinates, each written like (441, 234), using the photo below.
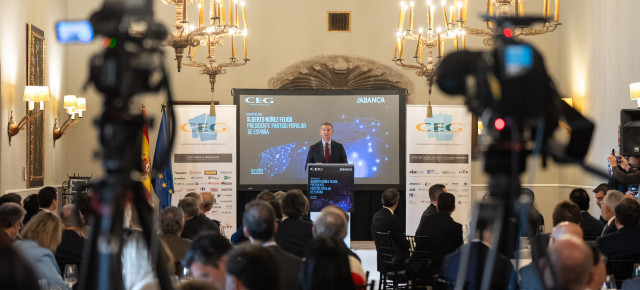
(146, 161)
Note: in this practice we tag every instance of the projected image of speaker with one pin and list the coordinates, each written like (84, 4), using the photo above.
(630, 132)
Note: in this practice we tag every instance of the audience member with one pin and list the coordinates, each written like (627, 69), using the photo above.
(332, 223)
(11, 197)
(277, 209)
(600, 192)
(194, 222)
(207, 258)
(503, 271)
(11, 216)
(294, 233)
(260, 226)
(16, 272)
(198, 198)
(434, 191)
(385, 221)
(591, 227)
(326, 266)
(279, 195)
(238, 236)
(208, 200)
(250, 267)
(42, 235)
(535, 217)
(171, 225)
(623, 243)
(30, 204)
(445, 233)
(628, 177)
(571, 264)
(566, 211)
(599, 271)
(48, 199)
(609, 203)
(70, 249)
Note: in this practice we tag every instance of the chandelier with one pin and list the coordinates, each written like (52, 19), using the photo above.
(223, 24)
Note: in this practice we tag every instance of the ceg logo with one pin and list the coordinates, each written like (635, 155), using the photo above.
(440, 126)
(258, 100)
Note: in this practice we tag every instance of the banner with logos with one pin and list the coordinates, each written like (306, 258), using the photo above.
(204, 158)
(438, 151)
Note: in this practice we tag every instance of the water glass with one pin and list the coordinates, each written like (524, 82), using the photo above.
(609, 282)
(636, 270)
(70, 274)
(43, 284)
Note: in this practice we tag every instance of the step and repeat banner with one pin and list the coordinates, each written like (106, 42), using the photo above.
(438, 151)
(204, 158)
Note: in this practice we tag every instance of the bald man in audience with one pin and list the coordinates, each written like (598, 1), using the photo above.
(570, 264)
(609, 203)
(11, 215)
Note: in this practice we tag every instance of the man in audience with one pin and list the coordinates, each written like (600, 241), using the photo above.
(434, 191)
(11, 197)
(623, 244)
(534, 215)
(609, 203)
(207, 203)
(70, 249)
(294, 233)
(571, 264)
(248, 269)
(445, 233)
(48, 199)
(566, 211)
(260, 226)
(601, 192)
(385, 221)
(591, 227)
(171, 225)
(194, 223)
(207, 258)
(238, 236)
(11, 216)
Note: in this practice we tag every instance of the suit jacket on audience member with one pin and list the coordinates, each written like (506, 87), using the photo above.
(609, 229)
(383, 221)
(70, 249)
(530, 277)
(197, 225)
(591, 227)
(177, 245)
(622, 244)
(288, 267)
(293, 236)
(431, 209)
(502, 271)
(445, 233)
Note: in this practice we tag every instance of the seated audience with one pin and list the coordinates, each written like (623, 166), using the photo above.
(16, 272)
(171, 225)
(571, 264)
(385, 221)
(623, 243)
(434, 192)
(11, 216)
(260, 226)
(250, 267)
(503, 271)
(207, 258)
(326, 266)
(600, 192)
(609, 203)
(445, 233)
(48, 199)
(42, 235)
(207, 204)
(332, 223)
(238, 236)
(277, 209)
(30, 204)
(591, 227)
(535, 217)
(70, 249)
(293, 232)
(11, 197)
(566, 211)
(194, 222)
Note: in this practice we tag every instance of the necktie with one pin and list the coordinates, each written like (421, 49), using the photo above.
(326, 152)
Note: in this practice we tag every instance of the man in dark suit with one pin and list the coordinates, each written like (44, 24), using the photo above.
(194, 222)
(600, 192)
(171, 225)
(609, 203)
(260, 226)
(591, 227)
(294, 233)
(70, 249)
(623, 244)
(326, 150)
(445, 233)
(434, 192)
(385, 221)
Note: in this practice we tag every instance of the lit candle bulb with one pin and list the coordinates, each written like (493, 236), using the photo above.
(444, 12)
(246, 54)
(452, 17)
(402, 46)
(459, 11)
(556, 14)
(418, 45)
(429, 15)
(244, 16)
(411, 17)
(201, 8)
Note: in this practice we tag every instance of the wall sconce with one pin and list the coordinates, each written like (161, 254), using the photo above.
(73, 105)
(32, 94)
(634, 92)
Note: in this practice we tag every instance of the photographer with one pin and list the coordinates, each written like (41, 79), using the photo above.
(625, 171)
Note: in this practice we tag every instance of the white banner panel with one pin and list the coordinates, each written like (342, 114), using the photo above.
(204, 158)
(438, 151)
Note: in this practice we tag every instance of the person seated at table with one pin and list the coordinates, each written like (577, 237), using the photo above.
(293, 232)
(251, 267)
(591, 227)
(623, 243)
(326, 266)
(570, 264)
(385, 221)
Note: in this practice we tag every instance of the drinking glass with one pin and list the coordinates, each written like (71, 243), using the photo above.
(70, 274)
(609, 282)
(43, 284)
(636, 270)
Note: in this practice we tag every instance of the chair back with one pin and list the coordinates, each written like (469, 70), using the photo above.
(621, 270)
(384, 250)
(420, 260)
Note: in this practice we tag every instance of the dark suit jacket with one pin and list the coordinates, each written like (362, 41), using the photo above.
(288, 267)
(70, 249)
(622, 244)
(197, 225)
(431, 209)
(177, 245)
(591, 227)
(502, 271)
(384, 221)
(530, 277)
(293, 236)
(316, 153)
(445, 233)
(609, 229)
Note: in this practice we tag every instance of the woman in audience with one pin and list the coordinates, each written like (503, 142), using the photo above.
(326, 266)
(42, 235)
(31, 205)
